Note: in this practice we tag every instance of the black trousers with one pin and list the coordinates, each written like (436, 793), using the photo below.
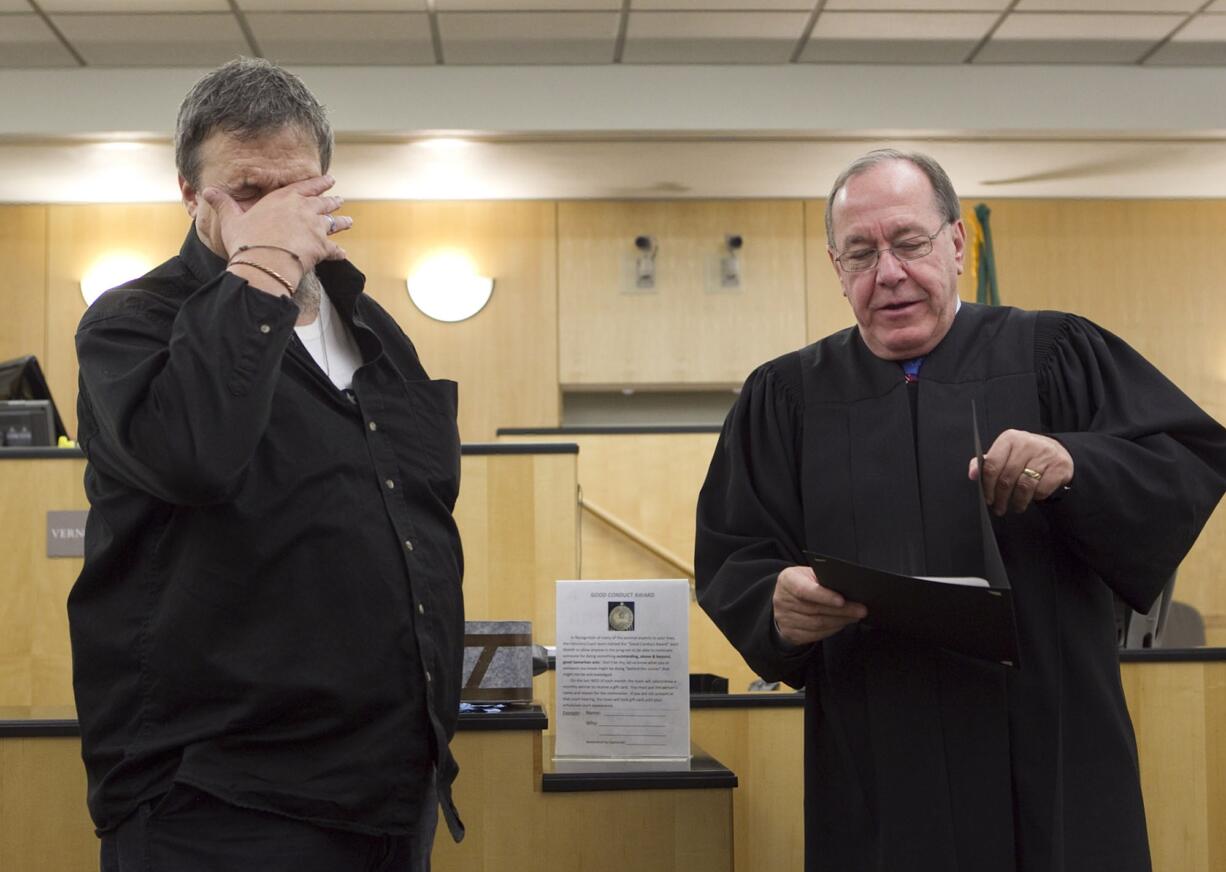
(187, 830)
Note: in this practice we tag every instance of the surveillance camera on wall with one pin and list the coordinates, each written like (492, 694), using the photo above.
(730, 264)
(645, 263)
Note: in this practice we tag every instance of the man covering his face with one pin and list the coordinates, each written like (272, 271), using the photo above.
(267, 632)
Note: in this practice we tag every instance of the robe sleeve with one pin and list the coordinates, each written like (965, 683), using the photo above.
(750, 523)
(1149, 465)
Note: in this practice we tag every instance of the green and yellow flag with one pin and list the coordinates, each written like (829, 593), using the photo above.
(983, 261)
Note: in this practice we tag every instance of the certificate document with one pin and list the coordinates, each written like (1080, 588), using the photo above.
(623, 687)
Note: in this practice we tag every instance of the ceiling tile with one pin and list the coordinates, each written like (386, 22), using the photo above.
(154, 40)
(1087, 27)
(713, 37)
(14, 6)
(527, 5)
(721, 5)
(27, 41)
(359, 38)
(1203, 28)
(1108, 5)
(896, 38)
(1201, 43)
(916, 5)
(332, 5)
(528, 37)
(1217, 6)
(886, 51)
(129, 6)
(1076, 39)
(903, 25)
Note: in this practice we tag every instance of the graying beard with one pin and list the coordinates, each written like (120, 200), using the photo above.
(308, 292)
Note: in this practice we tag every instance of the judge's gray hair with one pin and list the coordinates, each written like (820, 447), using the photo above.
(247, 98)
(946, 197)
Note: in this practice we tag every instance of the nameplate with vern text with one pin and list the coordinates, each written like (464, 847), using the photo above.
(66, 533)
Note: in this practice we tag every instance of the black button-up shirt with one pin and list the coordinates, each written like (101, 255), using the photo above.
(270, 605)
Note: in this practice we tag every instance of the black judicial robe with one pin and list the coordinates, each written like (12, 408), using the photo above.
(916, 758)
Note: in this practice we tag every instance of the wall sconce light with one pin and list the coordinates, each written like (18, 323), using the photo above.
(645, 263)
(446, 287)
(110, 270)
(730, 263)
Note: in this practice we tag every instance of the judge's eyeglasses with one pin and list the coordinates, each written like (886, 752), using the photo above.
(911, 248)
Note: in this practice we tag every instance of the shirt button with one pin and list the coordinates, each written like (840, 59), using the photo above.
(264, 328)
(373, 426)
(391, 485)
(408, 544)
(421, 610)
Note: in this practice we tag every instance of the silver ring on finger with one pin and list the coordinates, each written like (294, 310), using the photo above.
(331, 224)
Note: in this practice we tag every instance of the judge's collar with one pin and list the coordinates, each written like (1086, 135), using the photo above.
(911, 368)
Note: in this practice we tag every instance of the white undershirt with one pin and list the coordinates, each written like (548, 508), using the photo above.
(331, 344)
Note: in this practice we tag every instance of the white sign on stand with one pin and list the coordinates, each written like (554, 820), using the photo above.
(623, 688)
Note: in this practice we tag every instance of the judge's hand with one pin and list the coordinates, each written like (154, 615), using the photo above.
(297, 217)
(1010, 465)
(806, 612)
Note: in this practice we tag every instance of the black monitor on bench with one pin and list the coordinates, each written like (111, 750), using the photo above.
(28, 417)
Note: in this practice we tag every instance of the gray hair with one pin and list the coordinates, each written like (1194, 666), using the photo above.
(945, 197)
(247, 98)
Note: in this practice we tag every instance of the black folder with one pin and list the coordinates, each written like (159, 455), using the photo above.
(972, 620)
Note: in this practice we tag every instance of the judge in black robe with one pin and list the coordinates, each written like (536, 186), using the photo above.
(917, 758)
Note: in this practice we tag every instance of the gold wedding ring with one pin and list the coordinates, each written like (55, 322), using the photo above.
(1032, 473)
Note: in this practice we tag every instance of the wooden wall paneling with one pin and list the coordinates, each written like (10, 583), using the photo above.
(516, 515)
(711, 652)
(689, 330)
(517, 519)
(650, 481)
(35, 657)
(495, 792)
(23, 285)
(505, 357)
(1147, 270)
(764, 747)
(78, 236)
(1177, 711)
(649, 830)
(1215, 762)
(512, 824)
(827, 310)
(43, 820)
(1199, 583)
